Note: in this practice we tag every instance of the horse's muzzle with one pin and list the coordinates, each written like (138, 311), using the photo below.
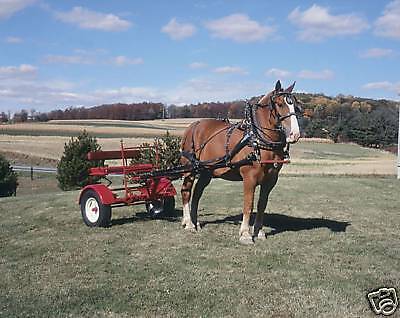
(293, 138)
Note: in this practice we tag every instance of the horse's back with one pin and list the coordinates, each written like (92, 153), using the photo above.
(203, 134)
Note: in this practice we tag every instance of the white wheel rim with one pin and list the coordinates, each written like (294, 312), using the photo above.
(92, 210)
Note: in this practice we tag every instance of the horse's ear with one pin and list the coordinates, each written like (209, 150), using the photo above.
(278, 86)
(290, 88)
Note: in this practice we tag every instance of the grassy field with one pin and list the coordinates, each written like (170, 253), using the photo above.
(332, 227)
(310, 158)
(99, 128)
(330, 241)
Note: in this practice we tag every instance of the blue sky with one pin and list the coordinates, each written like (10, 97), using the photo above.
(55, 54)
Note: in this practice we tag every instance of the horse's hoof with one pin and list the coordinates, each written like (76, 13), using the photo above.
(261, 236)
(186, 222)
(189, 227)
(246, 240)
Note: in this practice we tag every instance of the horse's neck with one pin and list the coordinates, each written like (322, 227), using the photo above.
(265, 118)
(264, 100)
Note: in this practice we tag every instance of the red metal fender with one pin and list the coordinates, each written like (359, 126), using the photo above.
(161, 187)
(105, 194)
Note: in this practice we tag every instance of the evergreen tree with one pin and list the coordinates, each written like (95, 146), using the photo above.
(8, 178)
(167, 149)
(72, 170)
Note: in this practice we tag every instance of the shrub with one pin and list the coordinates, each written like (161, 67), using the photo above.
(8, 178)
(72, 170)
(168, 147)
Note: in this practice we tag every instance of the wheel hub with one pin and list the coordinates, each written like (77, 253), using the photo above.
(92, 209)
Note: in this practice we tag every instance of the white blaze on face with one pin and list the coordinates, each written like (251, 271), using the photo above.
(294, 134)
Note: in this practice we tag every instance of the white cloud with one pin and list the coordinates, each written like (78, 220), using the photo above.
(305, 74)
(127, 95)
(384, 85)
(316, 23)
(9, 7)
(68, 59)
(52, 94)
(19, 85)
(278, 73)
(13, 40)
(230, 70)
(208, 90)
(23, 70)
(59, 84)
(316, 75)
(197, 65)
(376, 52)
(87, 19)
(123, 60)
(388, 24)
(240, 28)
(92, 57)
(178, 31)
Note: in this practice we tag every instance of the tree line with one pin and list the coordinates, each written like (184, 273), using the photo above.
(368, 122)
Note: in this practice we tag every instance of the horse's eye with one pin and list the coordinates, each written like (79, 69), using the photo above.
(289, 100)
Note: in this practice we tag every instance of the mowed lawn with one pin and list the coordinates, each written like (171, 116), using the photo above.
(330, 241)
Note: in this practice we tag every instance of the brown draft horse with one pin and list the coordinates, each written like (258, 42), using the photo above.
(268, 127)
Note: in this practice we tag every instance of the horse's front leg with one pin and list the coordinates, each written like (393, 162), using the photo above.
(186, 192)
(249, 186)
(265, 189)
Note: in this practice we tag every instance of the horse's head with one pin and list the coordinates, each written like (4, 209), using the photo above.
(285, 107)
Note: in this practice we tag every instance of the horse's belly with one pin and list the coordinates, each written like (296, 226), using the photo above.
(227, 174)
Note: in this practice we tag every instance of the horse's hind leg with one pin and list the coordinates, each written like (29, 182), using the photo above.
(186, 192)
(201, 184)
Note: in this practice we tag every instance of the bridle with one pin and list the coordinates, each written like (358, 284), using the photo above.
(290, 100)
(259, 137)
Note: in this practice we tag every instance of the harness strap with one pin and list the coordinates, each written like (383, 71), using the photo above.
(228, 137)
(201, 147)
(253, 136)
(193, 131)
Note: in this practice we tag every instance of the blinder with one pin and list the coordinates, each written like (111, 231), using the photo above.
(289, 99)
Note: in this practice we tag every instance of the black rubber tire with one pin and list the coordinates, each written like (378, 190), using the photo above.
(169, 206)
(104, 211)
(161, 208)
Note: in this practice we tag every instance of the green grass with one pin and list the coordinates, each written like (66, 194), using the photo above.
(311, 150)
(331, 240)
(41, 183)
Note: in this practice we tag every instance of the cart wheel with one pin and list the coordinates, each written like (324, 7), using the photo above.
(161, 207)
(94, 213)
(169, 205)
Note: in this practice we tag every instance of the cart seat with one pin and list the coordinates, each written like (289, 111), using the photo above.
(113, 154)
(136, 168)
